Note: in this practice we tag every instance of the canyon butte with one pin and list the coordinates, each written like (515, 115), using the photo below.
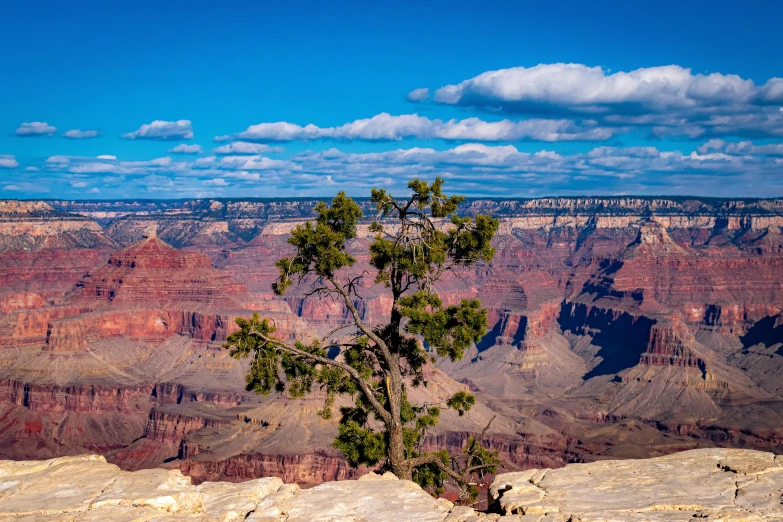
(620, 328)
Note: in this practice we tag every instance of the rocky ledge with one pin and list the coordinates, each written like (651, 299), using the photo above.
(713, 484)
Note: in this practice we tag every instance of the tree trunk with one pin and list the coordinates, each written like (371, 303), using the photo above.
(397, 459)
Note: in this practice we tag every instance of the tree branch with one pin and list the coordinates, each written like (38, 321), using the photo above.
(366, 390)
(358, 320)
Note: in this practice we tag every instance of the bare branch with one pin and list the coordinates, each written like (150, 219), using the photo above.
(335, 330)
(358, 320)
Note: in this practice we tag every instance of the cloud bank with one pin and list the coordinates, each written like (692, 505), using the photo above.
(670, 100)
(746, 168)
(578, 87)
(385, 127)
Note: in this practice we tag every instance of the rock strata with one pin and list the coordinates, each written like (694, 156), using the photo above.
(714, 484)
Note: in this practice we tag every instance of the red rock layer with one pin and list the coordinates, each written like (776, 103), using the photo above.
(153, 272)
(173, 393)
(86, 398)
(666, 348)
(307, 470)
(171, 427)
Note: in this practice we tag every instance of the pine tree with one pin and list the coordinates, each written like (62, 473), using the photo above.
(416, 242)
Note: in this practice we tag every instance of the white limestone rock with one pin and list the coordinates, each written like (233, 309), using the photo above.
(226, 502)
(53, 487)
(712, 484)
(708, 483)
(367, 501)
(161, 489)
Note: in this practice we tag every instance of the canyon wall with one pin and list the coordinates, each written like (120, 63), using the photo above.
(618, 327)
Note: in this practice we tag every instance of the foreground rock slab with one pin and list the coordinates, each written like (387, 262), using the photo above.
(708, 484)
(720, 484)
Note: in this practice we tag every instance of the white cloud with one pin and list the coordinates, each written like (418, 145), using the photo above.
(750, 148)
(252, 163)
(384, 126)
(163, 130)
(204, 162)
(35, 128)
(419, 95)
(578, 86)
(711, 145)
(58, 160)
(32, 169)
(218, 182)
(109, 165)
(718, 167)
(505, 170)
(184, 148)
(76, 134)
(89, 168)
(772, 91)
(94, 190)
(670, 100)
(244, 147)
(7, 161)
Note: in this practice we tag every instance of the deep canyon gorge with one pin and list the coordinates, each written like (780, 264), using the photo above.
(619, 328)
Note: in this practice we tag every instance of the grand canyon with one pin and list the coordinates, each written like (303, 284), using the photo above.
(620, 327)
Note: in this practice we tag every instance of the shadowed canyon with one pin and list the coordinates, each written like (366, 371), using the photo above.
(619, 328)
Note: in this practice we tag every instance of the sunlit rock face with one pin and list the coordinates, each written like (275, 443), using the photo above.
(709, 484)
(618, 327)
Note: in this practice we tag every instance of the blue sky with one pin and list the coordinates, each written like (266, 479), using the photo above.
(199, 99)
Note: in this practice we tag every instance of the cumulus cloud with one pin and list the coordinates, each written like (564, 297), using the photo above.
(184, 148)
(162, 130)
(579, 87)
(76, 134)
(419, 95)
(244, 147)
(386, 127)
(7, 161)
(107, 157)
(35, 128)
(669, 100)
